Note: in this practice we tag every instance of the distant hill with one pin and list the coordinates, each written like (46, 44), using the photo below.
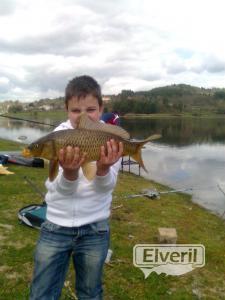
(174, 98)
(178, 90)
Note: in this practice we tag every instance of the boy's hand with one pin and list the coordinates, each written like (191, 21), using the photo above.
(70, 160)
(109, 156)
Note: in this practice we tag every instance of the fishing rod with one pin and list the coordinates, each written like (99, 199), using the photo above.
(154, 194)
(35, 188)
(27, 120)
(222, 191)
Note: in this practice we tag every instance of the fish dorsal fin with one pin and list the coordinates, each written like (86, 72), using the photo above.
(84, 122)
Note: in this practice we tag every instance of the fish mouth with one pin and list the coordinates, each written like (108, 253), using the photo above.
(26, 152)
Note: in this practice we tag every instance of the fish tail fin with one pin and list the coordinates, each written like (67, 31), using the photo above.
(151, 138)
(137, 155)
(53, 169)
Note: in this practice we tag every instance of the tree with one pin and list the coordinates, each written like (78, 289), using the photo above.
(15, 108)
(220, 94)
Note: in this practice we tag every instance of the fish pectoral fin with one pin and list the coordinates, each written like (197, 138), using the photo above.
(84, 122)
(53, 169)
(89, 170)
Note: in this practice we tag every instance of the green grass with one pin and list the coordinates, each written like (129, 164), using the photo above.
(135, 222)
(49, 117)
(7, 145)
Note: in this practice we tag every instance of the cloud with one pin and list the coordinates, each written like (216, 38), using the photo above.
(55, 43)
(207, 62)
(174, 64)
(133, 44)
(4, 84)
(214, 64)
(7, 7)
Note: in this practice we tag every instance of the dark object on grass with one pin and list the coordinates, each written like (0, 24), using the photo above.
(33, 215)
(22, 161)
(3, 159)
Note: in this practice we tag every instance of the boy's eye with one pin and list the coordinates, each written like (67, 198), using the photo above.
(76, 111)
(91, 109)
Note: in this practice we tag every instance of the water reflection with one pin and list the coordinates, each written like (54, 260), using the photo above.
(14, 129)
(200, 167)
(178, 131)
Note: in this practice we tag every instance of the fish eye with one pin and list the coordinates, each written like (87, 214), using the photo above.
(33, 146)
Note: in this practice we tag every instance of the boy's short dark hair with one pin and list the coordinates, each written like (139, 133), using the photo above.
(81, 87)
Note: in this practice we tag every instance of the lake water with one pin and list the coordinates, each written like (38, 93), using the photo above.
(190, 154)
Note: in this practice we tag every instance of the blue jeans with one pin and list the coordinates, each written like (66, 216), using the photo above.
(88, 246)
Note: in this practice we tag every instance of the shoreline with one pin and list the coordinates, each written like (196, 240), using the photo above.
(167, 115)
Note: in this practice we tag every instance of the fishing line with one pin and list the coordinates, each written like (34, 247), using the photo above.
(35, 188)
(27, 120)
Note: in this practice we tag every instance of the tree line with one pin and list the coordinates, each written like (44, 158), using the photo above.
(179, 98)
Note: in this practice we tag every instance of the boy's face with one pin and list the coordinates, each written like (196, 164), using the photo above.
(88, 104)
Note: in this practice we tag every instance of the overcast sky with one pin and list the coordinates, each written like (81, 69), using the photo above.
(124, 44)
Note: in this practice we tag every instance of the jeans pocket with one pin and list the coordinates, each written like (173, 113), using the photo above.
(49, 226)
(100, 227)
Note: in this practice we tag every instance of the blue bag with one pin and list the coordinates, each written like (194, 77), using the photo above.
(33, 215)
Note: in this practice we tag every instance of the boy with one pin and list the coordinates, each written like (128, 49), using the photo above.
(78, 209)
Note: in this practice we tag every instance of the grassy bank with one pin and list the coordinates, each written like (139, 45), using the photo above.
(48, 117)
(134, 222)
(7, 145)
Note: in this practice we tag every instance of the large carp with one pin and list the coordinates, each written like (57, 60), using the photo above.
(89, 136)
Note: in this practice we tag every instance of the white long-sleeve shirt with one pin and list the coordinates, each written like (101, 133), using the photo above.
(80, 202)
